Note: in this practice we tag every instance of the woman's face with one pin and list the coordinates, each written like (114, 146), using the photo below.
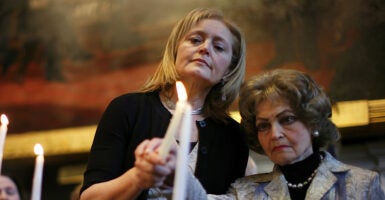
(8, 189)
(284, 138)
(205, 52)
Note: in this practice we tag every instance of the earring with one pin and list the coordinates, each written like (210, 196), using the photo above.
(315, 133)
(223, 97)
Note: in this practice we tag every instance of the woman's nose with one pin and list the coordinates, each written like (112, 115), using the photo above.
(3, 194)
(204, 48)
(276, 131)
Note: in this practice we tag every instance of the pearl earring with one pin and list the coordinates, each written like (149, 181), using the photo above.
(315, 133)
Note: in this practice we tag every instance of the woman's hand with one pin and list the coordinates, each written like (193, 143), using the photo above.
(150, 169)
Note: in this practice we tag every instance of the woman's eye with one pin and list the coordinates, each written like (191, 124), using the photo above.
(195, 40)
(287, 120)
(261, 127)
(219, 48)
(10, 191)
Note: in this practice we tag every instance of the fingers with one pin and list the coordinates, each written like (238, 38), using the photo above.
(147, 180)
(171, 162)
(172, 157)
(148, 172)
(162, 170)
(151, 163)
(141, 148)
(147, 147)
(150, 167)
(153, 145)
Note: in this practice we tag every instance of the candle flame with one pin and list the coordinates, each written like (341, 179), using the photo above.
(181, 90)
(4, 120)
(38, 149)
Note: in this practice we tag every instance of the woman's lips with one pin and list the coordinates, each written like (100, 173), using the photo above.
(280, 147)
(202, 62)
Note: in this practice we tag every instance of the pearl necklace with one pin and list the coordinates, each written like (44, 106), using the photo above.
(307, 181)
(301, 185)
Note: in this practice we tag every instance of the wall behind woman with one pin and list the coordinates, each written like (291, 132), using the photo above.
(104, 45)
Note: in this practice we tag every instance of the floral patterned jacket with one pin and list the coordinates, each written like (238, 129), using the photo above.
(334, 180)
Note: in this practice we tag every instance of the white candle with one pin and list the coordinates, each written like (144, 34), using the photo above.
(176, 120)
(38, 173)
(3, 133)
(180, 180)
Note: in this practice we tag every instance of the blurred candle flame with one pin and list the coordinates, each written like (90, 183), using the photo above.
(181, 90)
(4, 120)
(38, 149)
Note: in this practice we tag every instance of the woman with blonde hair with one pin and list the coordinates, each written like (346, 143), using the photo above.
(207, 53)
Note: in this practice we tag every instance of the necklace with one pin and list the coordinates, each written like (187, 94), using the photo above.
(307, 181)
(196, 111)
(171, 105)
(300, 185)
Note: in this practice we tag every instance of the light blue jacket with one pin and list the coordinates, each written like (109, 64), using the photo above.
(334, 180)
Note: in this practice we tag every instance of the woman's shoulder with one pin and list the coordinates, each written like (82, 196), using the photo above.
(135, 96)
(355, 172)
(360, 181)
(361, 174)
(134, 101)
(249, 186)
(254, 180)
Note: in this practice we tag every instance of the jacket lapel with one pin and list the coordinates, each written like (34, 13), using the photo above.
(326, 177)
(277, 189)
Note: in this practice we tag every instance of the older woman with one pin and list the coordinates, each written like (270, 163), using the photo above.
(287, 116)
(9, 188)
(207, 53)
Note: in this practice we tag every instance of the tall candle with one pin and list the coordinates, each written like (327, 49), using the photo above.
(180, 180)
(3, 133)
(38, 173)
(175, 120)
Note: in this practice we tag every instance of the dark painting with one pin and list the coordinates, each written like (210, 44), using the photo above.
(63, 61)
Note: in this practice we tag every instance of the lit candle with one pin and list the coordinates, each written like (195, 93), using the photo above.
(38, 173)
(175, 122)
(180, 180)
(3, 134)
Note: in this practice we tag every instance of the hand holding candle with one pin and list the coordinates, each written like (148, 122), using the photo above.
(38, 173)
(3, 133)
(181, 121)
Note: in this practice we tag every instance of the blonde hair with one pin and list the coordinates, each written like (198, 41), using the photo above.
(222, 94)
